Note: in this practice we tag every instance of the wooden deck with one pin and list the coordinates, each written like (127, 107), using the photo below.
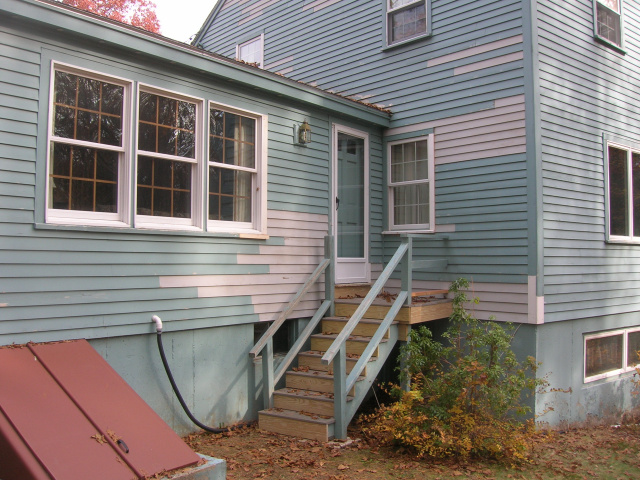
(432, 306)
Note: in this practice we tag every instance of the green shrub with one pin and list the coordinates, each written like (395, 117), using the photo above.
(467, 394)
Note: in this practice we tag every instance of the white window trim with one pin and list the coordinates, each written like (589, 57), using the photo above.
(260, 40)
(168, 223)
(417, 228)
(259, 188)
(625, 344)
(77, 217)
(630, 239)
(388, 24)
(595, 26)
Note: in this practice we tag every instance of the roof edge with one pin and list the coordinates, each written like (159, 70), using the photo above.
(207, 23)
(127, 37)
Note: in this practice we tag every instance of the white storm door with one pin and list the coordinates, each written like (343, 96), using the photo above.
(351, 204)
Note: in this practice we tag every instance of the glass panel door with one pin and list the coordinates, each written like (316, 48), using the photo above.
(351, 169)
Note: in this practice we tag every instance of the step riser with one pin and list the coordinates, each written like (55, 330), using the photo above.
(294, 428)
(313, 383)
(374, 312)
(356, 348)
(315, 363)
(362, 329)
(303, 404)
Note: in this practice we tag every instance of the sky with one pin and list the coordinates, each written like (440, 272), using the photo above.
(181, 19)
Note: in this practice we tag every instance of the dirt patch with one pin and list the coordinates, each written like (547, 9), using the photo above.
(600, 452)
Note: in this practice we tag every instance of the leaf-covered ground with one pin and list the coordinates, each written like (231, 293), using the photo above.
(600, 452)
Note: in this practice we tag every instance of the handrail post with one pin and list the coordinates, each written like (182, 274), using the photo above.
(329, 273)
(267, 374)
(406, 266)
(340, 393)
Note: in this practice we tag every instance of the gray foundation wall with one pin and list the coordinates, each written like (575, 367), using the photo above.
(560, 347)
(217, 378)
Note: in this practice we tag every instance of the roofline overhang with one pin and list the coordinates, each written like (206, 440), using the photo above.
(121, 36)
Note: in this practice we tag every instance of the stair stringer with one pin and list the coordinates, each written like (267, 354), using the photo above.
(364, 384)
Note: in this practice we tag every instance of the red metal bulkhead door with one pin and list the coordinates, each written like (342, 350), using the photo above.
(146, 442)
(62, 441)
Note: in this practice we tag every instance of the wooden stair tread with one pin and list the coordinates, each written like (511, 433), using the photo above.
(381, 302)
(429, 293)
(352, 338)
(364, 320)
(300, 416)
(314, 374)
(318, 354)
(311, 394)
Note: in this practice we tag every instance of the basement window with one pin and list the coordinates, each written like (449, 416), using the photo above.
(611, 353)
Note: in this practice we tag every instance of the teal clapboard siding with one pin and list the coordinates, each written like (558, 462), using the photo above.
(62, 282)
(587, 90)
(473, 61)
(340, 48)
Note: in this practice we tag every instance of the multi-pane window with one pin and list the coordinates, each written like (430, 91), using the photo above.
(411, 193)
(232, 166)
(611, 353)
(406, 19)
(608, 20)
(94, 176)
(251, 51)
(624, 193)
(87, 147)
(166, 156)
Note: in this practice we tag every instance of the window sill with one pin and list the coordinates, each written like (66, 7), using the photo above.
(622, 241)
(603, 41)
(147, 231)
(393, 46)
(402, 232)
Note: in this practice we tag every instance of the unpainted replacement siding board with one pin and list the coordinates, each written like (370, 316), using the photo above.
(586, 89)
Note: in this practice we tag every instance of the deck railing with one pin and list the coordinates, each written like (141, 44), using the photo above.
(264, 346)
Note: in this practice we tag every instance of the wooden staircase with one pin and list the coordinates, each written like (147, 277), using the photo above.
(305, 406)
(323, 392)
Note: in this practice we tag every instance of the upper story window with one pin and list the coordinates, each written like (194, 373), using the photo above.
(406, 19)
(92, 164)
(252, 51)
(623, 167)
(88, 148)
(411, 191)
(608, 21)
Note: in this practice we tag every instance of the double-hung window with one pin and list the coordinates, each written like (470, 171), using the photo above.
(169, 162)
(608, 21)
(411, 190)
(234, 161)
(623, 168)
(172, 168)
(88, 148)
(406, 19)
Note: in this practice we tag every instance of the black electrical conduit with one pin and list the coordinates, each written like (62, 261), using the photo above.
(156, 319)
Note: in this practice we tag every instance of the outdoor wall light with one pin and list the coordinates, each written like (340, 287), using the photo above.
(304, 133)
